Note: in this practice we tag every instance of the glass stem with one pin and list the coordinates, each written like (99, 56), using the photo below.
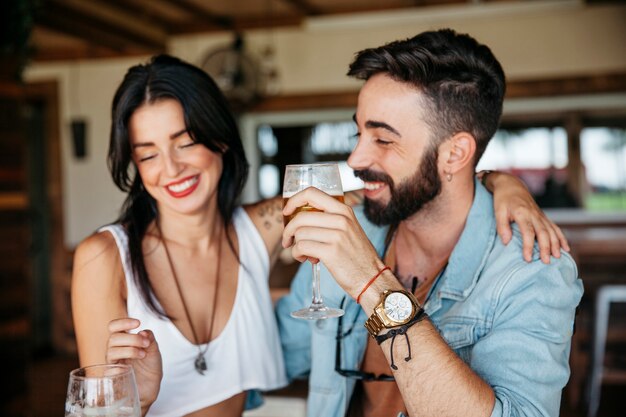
(317, 295)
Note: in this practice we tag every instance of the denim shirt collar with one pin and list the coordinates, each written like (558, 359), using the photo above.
(472, 250)
(470, 254)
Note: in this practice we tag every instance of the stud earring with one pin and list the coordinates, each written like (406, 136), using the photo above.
(449, 177)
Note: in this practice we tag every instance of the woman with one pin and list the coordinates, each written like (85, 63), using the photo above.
(182, 258)
(183, 263)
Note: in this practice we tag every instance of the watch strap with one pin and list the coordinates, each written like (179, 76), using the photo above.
(374, 324)
(421, 315)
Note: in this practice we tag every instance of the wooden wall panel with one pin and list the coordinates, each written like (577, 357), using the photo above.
(15, 279)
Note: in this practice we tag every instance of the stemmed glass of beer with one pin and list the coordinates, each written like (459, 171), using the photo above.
(326, 177)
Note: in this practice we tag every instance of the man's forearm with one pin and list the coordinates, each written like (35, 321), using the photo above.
(436, 382)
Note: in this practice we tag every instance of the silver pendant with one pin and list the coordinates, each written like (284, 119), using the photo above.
(200, 363)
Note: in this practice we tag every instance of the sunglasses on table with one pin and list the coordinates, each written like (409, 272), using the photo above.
(353, 374)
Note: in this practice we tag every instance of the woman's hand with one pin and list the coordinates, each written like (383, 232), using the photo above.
(513, 203)
(139, 350)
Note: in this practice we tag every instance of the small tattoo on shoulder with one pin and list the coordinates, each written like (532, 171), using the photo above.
(271, 210)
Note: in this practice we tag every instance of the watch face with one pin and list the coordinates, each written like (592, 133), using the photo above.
(398, 307)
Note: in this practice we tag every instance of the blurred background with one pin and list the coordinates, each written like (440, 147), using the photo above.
(282, 64)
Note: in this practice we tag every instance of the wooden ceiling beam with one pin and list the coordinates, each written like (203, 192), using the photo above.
(70, 27)
(76, 53)
(202, 14)
(61, 18)
(146, 14)
(563, 86)
(287, 102)
(306, 8)
(381, 6)
(586, 84)
(271, 22)
(239, 24)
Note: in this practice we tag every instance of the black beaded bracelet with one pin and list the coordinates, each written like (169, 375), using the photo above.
(421, 315)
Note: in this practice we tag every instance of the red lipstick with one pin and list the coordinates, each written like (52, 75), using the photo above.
(183, 187)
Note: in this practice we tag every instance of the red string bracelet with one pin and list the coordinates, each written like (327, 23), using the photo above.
(371, 281)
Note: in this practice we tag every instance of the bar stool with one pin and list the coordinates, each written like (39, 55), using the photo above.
(606, 295)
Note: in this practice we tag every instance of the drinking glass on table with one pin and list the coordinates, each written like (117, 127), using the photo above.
(324, 176)
(102, 390)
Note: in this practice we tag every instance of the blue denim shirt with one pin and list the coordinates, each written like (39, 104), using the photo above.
(511, 321)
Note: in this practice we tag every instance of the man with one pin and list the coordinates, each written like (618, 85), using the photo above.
(480, 331)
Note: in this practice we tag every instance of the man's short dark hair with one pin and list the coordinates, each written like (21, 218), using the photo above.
(461, 79)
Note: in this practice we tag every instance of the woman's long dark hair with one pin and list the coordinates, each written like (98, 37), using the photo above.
(209, 122)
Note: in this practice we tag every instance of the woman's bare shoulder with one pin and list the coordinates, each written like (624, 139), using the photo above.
(99, 249)
(266, 214)
(98, 270)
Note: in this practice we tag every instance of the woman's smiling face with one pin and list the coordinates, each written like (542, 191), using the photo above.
(180, 174)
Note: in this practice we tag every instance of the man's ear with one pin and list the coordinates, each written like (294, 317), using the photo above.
(459, 152)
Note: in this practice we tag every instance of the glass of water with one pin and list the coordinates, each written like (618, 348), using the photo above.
(102, 391)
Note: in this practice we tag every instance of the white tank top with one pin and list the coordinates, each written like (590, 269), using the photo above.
(246, 355)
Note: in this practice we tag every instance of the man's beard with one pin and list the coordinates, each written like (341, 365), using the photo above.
(409, 197)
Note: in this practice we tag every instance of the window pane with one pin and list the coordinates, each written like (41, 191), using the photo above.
(533, 148)
(269, 181)
(333, 138)
(603, 153)
(538, 156)
(267, 141)
(307, 143)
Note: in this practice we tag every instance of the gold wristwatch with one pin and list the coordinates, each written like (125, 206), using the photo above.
(396, 307)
